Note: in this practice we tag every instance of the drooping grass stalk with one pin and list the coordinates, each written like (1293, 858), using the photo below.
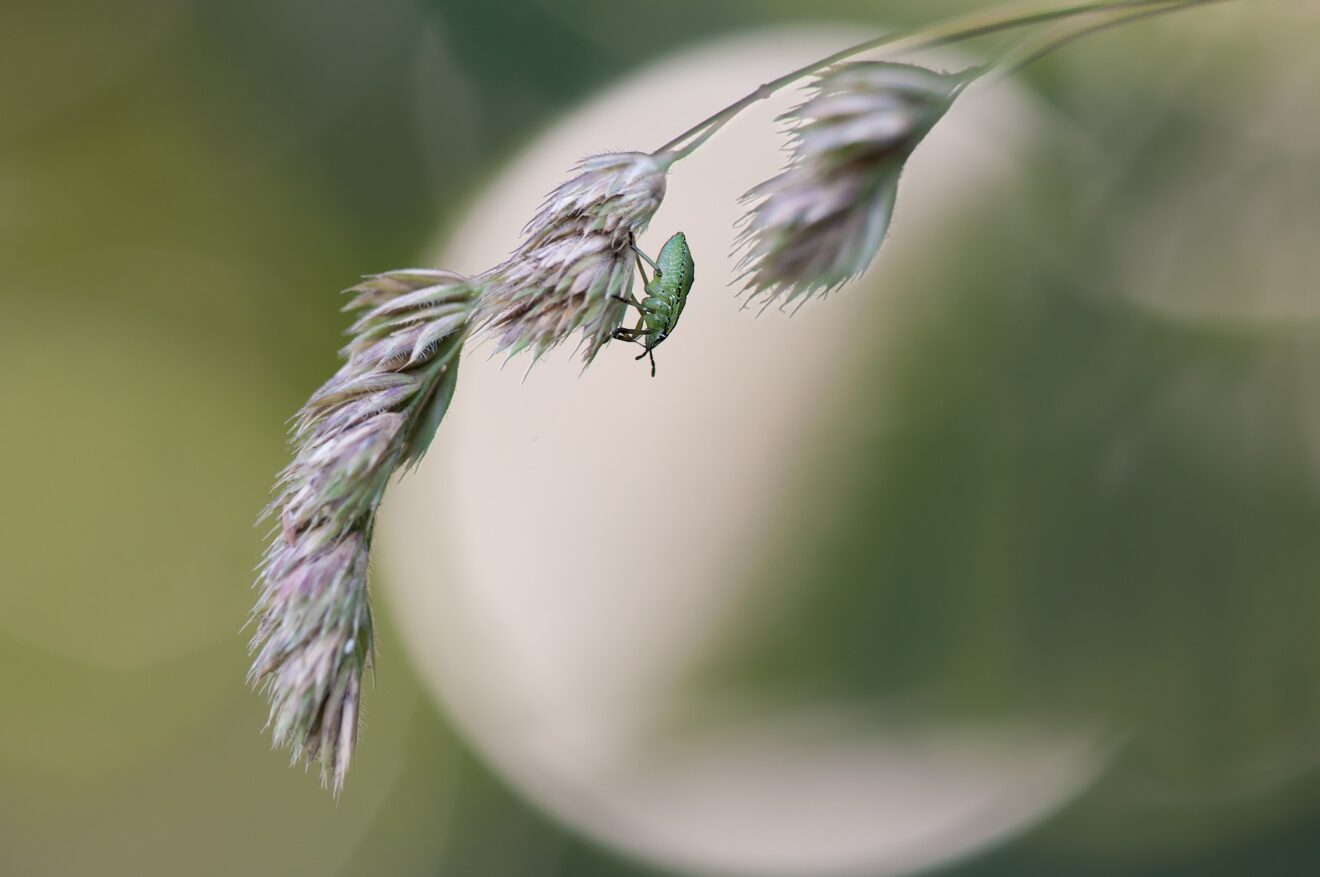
(954, 30)
(314, 634)
(810, 229)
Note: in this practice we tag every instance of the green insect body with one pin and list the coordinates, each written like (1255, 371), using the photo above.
(666, 296)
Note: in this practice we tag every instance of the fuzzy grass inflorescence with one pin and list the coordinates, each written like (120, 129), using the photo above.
(575, 260)
(314, 636)
(379, 412)
(820, 223)
(809, 230)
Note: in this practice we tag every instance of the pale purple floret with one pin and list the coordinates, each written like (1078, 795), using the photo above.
(820, 223)
(314, 632)
(575, 257)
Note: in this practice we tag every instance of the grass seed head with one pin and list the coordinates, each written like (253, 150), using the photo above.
(575, 257)
(820, 222)
(314, 635)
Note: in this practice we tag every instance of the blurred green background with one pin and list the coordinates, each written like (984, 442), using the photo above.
(1094, 491)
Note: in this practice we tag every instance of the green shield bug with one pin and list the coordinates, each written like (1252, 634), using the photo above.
(666, 294)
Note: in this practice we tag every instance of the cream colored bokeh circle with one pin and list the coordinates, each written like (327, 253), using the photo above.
(539, 608)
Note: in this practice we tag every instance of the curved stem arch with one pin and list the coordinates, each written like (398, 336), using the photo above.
(963, 27)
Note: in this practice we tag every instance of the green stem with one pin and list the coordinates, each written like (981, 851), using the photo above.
(956, 29)
(1029, 51)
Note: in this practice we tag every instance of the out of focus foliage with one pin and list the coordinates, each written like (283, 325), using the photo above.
(1091, 489)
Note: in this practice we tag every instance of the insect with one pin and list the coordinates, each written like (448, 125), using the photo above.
(666, 295)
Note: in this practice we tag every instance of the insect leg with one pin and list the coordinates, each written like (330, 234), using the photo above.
(649, 351)
(649, 260)
(640, 270)
(628, 300)
(632, 242)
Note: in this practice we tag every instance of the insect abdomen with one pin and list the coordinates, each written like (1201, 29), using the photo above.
(667, 292)
(676, 266)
